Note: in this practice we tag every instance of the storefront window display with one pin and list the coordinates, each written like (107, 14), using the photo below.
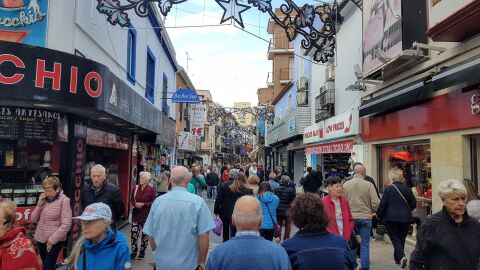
(413, 160)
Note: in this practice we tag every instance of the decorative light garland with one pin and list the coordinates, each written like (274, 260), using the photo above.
(318, 34)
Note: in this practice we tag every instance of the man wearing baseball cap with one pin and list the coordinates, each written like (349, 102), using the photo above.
(99, 247)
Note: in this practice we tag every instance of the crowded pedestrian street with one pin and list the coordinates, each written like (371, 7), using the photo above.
(381, 251)
(239, 134)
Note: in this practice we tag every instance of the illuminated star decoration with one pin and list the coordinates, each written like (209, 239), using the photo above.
(232, 11)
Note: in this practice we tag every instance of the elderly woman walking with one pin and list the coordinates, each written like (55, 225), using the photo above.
(16, 250)
(450, 238)
(396, 208)
(141, 198)
(99, 246)
(54, 217)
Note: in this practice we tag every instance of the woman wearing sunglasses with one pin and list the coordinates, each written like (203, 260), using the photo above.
(54, 217)
(16, 251)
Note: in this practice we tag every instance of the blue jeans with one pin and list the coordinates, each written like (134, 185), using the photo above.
(212, 192)
(363, 227)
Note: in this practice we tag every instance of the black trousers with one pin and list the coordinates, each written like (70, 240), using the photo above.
(397, 231)
(225, 228)
(49, 259)
(267, 234)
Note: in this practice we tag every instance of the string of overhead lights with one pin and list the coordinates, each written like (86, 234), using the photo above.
(315, 23)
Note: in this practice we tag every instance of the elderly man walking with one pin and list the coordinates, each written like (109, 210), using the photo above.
(178, 226)
(100, 190)
(248, 250)
(364, 202)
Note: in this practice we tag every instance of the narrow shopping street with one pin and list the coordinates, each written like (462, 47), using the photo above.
(381, 252)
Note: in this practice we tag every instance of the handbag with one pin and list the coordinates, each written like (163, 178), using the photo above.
(133, 210)
(277, 231)
(405, 200)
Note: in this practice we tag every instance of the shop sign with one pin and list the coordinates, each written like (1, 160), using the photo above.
(24, 21)
(197, 121)
(187, 141)
(439, 10)
(475, 105)
(185, 96)
(44, 75)
(331, 148)
(339, 126)
(23, 214)
(101, 138)
(34, 124)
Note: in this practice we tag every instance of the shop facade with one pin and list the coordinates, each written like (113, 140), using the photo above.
(432, 141)
(334, 144)
(60, 113)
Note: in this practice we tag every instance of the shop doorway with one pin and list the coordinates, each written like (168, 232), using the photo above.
(475, 161)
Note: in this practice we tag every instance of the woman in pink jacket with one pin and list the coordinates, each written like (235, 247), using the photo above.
(54, 217)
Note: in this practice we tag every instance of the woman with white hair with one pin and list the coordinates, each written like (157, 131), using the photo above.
(141, 198)
(450, 238)
(99, 246)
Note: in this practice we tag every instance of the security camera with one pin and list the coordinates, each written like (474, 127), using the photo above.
(381, 55)
(356, 87)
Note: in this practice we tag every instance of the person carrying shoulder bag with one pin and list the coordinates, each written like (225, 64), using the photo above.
(396, 208)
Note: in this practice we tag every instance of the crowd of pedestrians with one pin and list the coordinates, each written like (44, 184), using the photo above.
(334, 218)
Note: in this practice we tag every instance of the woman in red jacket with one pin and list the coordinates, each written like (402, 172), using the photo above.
(16, 251)
(141, 198)
(340, 219)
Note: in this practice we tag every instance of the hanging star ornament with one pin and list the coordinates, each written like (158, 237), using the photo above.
(232, 10)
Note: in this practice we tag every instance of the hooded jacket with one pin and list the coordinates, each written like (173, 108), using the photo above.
(286, 194)
(112, 253)
(54, 220)
(270, 200)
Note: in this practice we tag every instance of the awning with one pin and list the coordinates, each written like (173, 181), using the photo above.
(344, 146)
(462, 75)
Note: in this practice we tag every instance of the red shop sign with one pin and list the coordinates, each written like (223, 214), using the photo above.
(331, 148)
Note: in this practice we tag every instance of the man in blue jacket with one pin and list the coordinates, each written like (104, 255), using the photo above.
(248, 250)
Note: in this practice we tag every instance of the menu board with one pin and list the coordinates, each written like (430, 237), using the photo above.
(29, 123)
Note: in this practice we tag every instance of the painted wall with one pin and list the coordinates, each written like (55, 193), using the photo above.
(349, 53)
(76, 25)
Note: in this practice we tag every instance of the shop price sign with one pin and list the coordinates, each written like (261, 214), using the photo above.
(198, 114)
(330, 148)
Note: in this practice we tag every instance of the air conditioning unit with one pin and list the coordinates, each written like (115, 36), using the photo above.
(302, 83)
(329, 74)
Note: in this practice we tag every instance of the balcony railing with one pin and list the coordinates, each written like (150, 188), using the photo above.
(280, 44)
(324, 105)
(270, 78)
(286, 75)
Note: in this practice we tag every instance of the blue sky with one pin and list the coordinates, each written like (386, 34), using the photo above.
(227, 61)
(230, 63)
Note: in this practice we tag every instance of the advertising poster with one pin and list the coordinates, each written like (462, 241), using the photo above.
(198, 114)
(24, 21)
(382, 29)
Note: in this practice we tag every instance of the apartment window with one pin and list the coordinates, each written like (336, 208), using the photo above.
(150, 84)
(165, 107)
(131, 54)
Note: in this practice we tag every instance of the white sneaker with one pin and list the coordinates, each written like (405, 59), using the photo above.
(403, 262)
